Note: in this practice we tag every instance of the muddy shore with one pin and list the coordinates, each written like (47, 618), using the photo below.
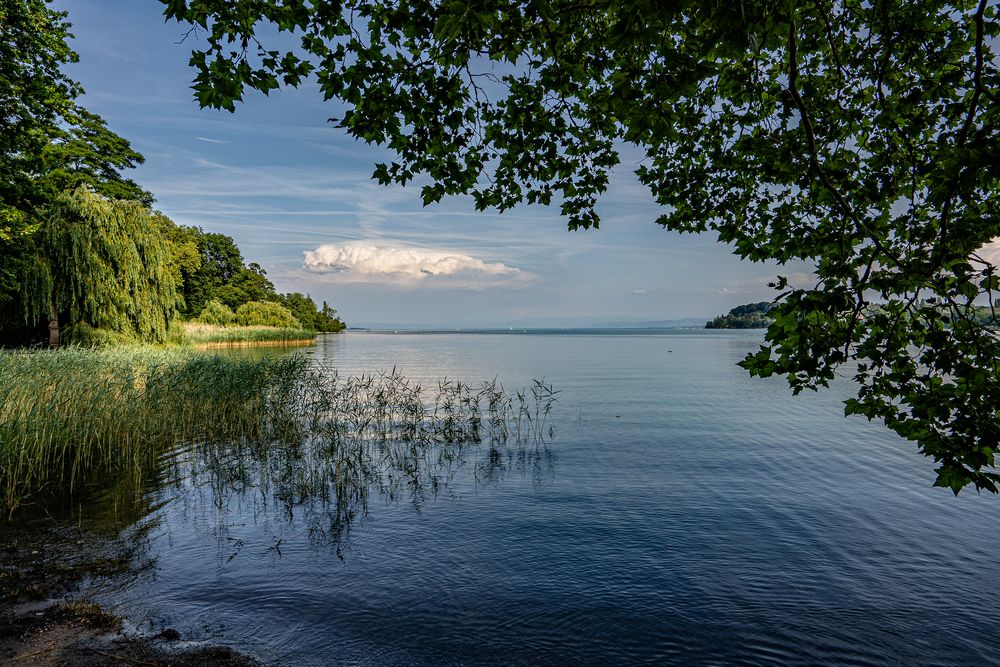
(43, 622)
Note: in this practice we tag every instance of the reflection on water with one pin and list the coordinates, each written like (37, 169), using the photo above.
(685, 514)
(324, 483)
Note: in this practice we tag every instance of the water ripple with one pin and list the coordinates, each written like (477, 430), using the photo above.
(685, 514)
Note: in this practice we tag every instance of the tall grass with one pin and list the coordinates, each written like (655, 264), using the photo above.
(77, 411)
(197, 333)
(75, 415)
(375, 435)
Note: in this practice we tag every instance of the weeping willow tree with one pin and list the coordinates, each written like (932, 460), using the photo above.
(101, 264)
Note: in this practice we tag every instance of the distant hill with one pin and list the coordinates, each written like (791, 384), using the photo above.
(747, 316)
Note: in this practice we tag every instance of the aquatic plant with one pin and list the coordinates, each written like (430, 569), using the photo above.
(67, 414)
(75, 415)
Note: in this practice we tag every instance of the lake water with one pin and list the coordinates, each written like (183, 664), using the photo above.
(681, 512)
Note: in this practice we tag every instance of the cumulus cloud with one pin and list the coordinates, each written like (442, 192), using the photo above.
(381, 263)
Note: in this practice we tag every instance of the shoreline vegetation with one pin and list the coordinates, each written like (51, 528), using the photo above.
(103, 271)
(75, 416)
(759, 315)
(747, 316)
(95, 427)
(211, 336)
(86, 425)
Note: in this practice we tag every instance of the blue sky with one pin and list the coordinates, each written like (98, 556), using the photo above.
(295, 193)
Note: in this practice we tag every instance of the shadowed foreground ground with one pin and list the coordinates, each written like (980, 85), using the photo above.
(41, 623)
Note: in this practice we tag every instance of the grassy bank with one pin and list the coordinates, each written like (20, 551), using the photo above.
(67, 414)
(213, 335)
(74, 415)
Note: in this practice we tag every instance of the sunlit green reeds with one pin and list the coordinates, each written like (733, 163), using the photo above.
(78, 411)
(75, 415)
(197, 333)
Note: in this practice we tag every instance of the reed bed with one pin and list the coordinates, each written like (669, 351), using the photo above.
(198, 334)
(75, 415)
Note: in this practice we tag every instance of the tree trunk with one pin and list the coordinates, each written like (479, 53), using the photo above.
(53, 328)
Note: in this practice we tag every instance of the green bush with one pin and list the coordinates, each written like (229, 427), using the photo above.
(216, 312)
(267, 314)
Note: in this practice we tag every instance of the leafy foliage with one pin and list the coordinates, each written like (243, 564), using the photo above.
(747, 316)
(219, 259)
(859, 137)
(304, 309)
(245, 286)
(86, 152)
(34, 94)
(216, 312)
(266, 313)
(104, 264)
(49, 145)
(327, 320)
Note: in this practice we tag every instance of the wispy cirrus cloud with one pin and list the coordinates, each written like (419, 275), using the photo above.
(405, 265)
(212, 141)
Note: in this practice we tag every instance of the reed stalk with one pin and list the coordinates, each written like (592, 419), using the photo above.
(77, 415)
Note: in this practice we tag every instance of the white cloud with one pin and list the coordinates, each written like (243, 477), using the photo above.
(212, 141)
(640, 291)
(991, 252)
(383, 263)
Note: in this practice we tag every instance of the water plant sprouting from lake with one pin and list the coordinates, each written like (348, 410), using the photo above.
(72, 416)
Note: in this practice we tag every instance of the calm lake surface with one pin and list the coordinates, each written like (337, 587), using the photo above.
(681, 513)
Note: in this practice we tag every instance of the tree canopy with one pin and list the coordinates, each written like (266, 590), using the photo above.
(860, 137)
(103, 263)
(49, 144)
(79, 243)
(34, 94)
(747, 316)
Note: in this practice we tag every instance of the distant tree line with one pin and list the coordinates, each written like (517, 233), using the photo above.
(747, 316)
(758, 315)
(81, 248)
(217, 275)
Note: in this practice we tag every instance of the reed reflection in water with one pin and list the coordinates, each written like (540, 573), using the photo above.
(358, 439)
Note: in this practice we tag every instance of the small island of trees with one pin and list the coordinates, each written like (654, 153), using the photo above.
(758, 315)
(747, 316)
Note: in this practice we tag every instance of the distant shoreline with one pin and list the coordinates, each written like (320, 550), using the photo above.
(302, 342)
(581, 331)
